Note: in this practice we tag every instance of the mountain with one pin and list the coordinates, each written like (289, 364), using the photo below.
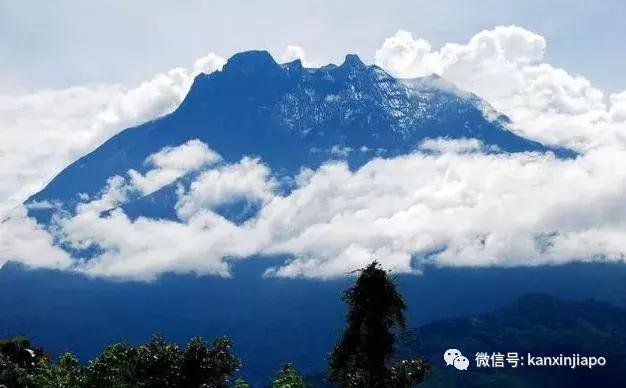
(291, 117)
(535, 323)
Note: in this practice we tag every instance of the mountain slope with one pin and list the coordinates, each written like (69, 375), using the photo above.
(536, 324)
(292, 117)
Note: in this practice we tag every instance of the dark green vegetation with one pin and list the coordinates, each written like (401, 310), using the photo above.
(362, 358)
(363, 355)
(288, 377)
(535, 323)
(154, 364)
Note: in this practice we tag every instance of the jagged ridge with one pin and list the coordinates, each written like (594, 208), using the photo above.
(292, 117)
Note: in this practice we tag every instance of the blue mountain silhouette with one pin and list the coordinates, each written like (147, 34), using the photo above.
(292, 117)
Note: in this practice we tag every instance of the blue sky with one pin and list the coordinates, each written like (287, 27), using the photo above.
(67, 42)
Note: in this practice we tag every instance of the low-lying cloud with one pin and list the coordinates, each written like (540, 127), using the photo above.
(171, 163)
(44, 131)
(451, 208)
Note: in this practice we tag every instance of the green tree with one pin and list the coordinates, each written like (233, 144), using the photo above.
(157, 364)
(210, 367)
(241, 383)
(114, 367)
(363, 356)
(65, 373)
(409, 372)
(288, 377)
(19, 362)
(10, 374)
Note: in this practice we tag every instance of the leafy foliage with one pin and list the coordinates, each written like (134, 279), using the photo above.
(18, 362)
(212, 366)
(155, 364)
(240, 383)
(363, 356)
(66, 373)
(114, 367)
(409, 372)
(288, 377)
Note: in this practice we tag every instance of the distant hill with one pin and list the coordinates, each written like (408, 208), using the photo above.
(535, 323)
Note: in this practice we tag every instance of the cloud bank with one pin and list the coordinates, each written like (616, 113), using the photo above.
(504, 66)
(450, 203)
(452, 208)
(44, 131)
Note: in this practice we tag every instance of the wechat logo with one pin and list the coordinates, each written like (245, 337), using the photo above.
(455, 358)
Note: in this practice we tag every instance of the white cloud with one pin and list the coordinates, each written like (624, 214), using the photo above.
(442, 145)
(44, 131)
(22, 240)
(448, 208)
(247, 179)
(503, 65)
(115, 193)
(472, 209)
(292, 53)
(618, 107)
(145, 248)
(171, 163)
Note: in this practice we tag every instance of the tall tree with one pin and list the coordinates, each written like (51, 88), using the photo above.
(205, 366)
(363, 356)
(19, 361)
(288, 377)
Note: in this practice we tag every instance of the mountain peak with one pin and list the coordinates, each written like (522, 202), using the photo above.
(295, 64)
(249, 61)
(352, 60)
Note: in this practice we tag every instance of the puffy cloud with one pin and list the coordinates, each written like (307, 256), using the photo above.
(449, 207)
(618, 107)
(208, 64)
(22, 240)
(153, 98)
(145, 248)
(503, 65)
(442, 145)
(42, 132)
(116, 192)
(292, 53)
(171, 163)
(408, 57)
(452, 209)
(248, 179)
(46, 130)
